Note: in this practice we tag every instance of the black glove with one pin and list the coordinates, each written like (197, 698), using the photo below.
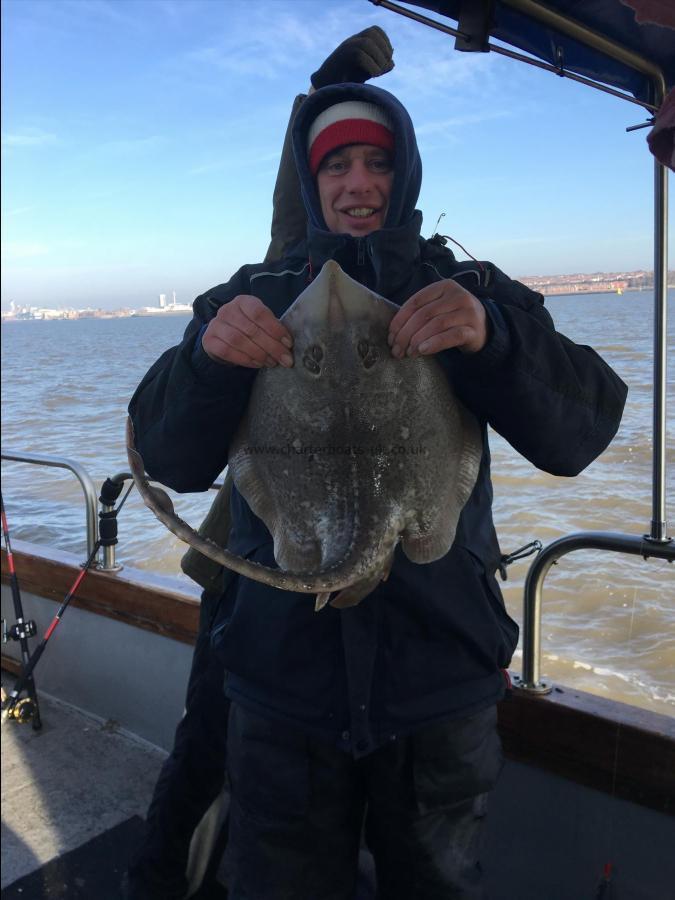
(362, 56)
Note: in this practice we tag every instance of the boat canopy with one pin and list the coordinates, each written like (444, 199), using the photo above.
(625, 47)
(557, 33)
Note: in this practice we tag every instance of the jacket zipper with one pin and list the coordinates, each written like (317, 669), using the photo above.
(360, 252)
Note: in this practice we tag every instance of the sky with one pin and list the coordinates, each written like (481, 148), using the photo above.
(140, 143)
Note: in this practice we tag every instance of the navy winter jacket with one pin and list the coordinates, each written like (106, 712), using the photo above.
(429, 643)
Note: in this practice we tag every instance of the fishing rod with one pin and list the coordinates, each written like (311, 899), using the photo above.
(28, 708)
(110, 491)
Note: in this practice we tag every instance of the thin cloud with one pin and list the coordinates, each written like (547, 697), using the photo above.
(208, 168)
(68, 17)
(17, 250)
(104, 10)
(447, 127)
(529, 239)
(97, 273)
(434, 73)
(174, 10)
(29, 137)
(263, 41)
(133, 146)
(269, 40)
(239, 163)
(20, 210)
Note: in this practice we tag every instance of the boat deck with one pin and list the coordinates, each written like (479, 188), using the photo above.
(75, 793)
(77, 780)
(587, 782)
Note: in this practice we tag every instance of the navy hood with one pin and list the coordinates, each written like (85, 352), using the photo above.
(407, 162)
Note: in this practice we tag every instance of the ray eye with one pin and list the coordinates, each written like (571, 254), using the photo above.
(368, 353)
(311, 359)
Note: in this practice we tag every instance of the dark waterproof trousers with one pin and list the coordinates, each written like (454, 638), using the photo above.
(299, 808)
(191, 779)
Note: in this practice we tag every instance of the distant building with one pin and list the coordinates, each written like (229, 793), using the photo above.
(595, 283)
(164, 308)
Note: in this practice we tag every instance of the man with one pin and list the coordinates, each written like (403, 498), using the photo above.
(183, 836)
(382, 715)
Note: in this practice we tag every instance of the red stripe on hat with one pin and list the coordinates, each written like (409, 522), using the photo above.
(349, 131)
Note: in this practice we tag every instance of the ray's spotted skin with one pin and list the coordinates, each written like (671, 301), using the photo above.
(344, 454)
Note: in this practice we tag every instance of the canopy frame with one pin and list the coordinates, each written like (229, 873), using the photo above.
(655, 543)
(564, 24)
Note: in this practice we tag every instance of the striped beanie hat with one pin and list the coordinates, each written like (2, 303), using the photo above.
(351, 122)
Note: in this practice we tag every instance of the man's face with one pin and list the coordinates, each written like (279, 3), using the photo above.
(354, 185)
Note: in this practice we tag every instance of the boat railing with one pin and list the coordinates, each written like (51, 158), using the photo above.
(85, 479)
(530, 680)
(637, 545)
(110, 490)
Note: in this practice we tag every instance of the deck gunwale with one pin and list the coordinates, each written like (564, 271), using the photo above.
(610, 746)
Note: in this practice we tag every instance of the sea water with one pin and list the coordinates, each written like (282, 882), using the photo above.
(608, 623)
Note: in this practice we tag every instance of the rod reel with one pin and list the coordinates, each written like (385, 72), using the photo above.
(20, 631)
(23, 711)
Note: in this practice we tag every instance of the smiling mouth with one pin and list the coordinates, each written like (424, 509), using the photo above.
(360, 212)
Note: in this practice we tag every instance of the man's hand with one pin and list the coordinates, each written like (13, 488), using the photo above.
(440, 316)
(246, 333)
(362, 56)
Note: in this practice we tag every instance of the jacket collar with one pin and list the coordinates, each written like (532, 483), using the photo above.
(383, 261)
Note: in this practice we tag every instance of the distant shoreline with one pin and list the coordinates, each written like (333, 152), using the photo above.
(103, 314)
(71, 315)
(591, 293)
(644, 290)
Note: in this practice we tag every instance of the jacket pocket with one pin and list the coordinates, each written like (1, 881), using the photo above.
(508, 628)
(456, 761)
(228, 592)
(268, 767)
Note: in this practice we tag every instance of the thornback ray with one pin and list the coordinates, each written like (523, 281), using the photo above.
(346, 454)
(159, 502)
